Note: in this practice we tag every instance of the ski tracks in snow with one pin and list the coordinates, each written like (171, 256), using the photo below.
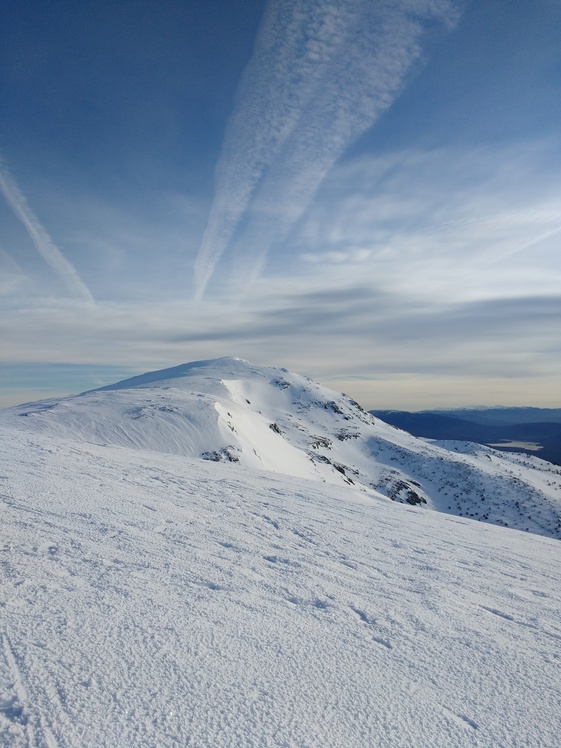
(20, 723)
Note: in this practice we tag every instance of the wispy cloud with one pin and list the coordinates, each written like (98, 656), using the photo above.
(522, 247)
(321, 74)
(446, 224)
(12, 276)
(38, 235)
(337, 257)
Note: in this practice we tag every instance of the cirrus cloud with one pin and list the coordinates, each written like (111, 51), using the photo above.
(321, 74)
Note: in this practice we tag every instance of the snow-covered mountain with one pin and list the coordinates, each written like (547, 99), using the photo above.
(267, 595)
(270, 419)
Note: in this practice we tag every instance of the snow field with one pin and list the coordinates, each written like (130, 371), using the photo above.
(157, 600)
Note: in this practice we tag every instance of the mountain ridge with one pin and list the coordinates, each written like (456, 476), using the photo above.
(270, 419)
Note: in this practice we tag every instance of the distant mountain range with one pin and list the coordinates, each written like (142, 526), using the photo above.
(536, 431)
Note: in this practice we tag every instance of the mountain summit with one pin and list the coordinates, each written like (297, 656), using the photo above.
(270, 419)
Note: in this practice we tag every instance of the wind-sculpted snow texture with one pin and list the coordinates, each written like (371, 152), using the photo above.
(270, 419)
(150, 599)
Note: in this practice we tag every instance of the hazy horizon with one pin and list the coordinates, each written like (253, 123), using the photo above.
(55, 381)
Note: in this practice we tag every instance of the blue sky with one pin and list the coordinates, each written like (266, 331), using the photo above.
(365, 192)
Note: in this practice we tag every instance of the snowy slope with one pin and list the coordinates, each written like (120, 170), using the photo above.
(270, 419)
(151, 599)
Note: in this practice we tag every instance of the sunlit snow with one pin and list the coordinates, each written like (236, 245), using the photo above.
(210, 556)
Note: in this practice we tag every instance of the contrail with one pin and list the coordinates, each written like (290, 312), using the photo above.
(520, 248)
(321, 74)
(48, 251)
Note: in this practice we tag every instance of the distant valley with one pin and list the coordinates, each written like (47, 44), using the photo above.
(533, 430)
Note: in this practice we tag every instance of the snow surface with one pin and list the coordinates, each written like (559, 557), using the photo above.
(270, 419)
(152, 598)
